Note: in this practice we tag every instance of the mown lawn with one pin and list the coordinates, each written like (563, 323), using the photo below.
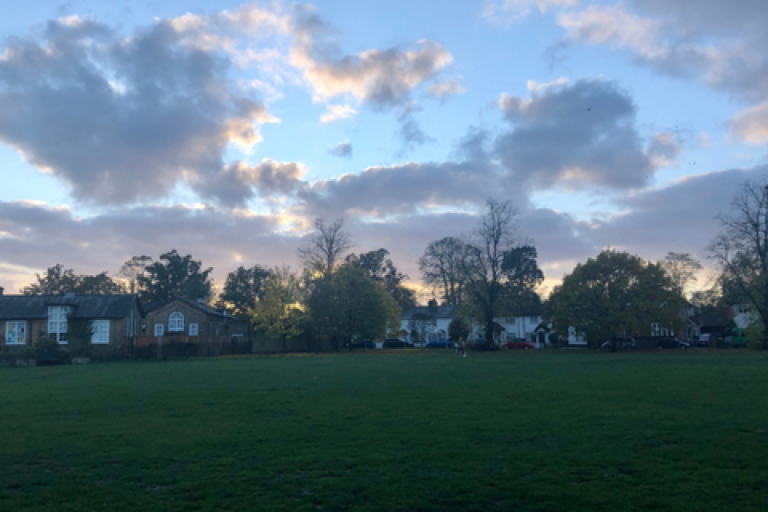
(412, 431)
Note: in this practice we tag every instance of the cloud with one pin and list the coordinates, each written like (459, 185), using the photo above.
(575, 135)
(380, 78)
(342, 149)
(402, 189)
(715, 41)
(752, 124)
(679, 217)
(337, 112)
(446, 88)
(664, 150)
(410, 133)
(507, 12)
(122, 119)
(238, 182)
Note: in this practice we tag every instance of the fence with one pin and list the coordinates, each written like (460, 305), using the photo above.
(170, 347)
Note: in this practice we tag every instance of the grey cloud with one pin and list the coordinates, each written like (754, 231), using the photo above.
(680, 217)
(402, 189)
(238, 182)
(342, 149)
(717, 41)
(380, 78)
(38, 237)
(410, 133)
(575, 135)
(121, 119)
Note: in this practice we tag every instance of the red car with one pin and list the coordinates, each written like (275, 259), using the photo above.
(520, 345)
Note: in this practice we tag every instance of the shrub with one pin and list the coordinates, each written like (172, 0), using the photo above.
(44, 344)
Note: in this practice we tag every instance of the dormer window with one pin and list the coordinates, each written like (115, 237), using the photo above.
(176, 322)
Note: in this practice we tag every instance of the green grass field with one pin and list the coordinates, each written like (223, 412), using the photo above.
(405, 431)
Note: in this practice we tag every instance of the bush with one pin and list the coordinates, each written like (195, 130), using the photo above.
(44, 344)
(394, 344)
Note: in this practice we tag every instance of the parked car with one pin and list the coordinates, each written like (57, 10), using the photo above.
(622, 343)
(672, 343)
(705, 340)
(519, 345)
(438, 344)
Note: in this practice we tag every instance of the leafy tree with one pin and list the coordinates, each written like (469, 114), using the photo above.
(278, 314)
(57, 281)
(350, 304)
(368, 311)
(681, 269)
(458, 329)
(243, 288)
(132, 269)
(381, 269)
(741, 248)
(174, 275)
(442, 266)
(325, 247)
(612, 293)
(483, 266)
(521, 276)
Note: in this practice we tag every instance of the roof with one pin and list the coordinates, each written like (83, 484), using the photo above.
(438, 312)
(20, 307)
(210, 310)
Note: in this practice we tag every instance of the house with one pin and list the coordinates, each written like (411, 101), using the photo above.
(114, 318)
(743, 315)
(421, 325)
(195, 319)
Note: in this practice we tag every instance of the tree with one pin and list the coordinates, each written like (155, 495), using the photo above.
(441, 266)
(279, 314)
(132, 269)
(458, 329)
(614, 293)
(381, 269)
(57, 281)
(681, 269)
(483, 265)
(741, 248)
(175, 276)
(522, 276)
(368, 311)
(243, 288)
(325, 248)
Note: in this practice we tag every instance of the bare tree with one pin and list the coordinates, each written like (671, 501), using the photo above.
(741, 248)
(681, 269)
(326, 246)
(132, 269)
(482, 268)
(441, 266)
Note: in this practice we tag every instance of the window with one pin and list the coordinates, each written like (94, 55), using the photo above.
(158, 329)
(16, 332)
(57, 323)
(100, 331)
(193, 330)
(176, 322)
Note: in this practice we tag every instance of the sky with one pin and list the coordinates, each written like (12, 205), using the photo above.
(223, 129)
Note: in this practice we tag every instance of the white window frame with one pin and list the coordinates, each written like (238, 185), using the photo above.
(158, 327)
(100, 334)
(57, 323)
(194, 329)
(15, 324)
(176, 322)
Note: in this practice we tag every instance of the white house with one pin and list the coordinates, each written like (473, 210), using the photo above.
(421, 325)
(743, 315)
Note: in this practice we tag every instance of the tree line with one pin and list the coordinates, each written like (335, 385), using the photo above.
(488, 273)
